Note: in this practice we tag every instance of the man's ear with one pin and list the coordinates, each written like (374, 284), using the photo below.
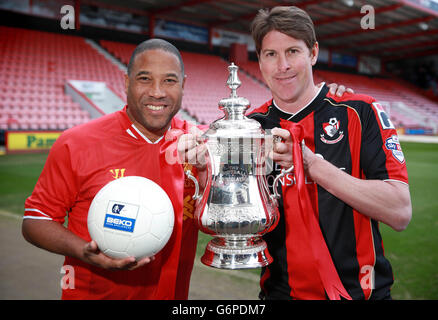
(126, 83)
(184, 81)
(314, 53)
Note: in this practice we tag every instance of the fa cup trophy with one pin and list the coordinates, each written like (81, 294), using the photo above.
(235, 205)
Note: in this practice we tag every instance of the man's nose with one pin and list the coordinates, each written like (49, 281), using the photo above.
(156, 90)
(283, 63)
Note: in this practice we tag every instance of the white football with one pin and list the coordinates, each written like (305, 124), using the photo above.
(131, 216)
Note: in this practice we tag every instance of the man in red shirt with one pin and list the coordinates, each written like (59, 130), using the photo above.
(130, 142)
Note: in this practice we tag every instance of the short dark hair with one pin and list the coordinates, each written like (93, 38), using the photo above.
(155, 44)
(289, 20)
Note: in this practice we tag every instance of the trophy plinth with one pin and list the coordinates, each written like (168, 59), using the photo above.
(226, 253)
(236, 206)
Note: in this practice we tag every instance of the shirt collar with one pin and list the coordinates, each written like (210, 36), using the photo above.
(133, 131)
(315, 103)
(303, 108)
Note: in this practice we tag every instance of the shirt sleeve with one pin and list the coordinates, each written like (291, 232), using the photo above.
(381, 154)
(55, 191)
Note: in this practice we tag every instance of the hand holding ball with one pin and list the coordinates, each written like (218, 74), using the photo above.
(131, 216)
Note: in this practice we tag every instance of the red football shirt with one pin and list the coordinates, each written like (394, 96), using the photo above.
(80, 163)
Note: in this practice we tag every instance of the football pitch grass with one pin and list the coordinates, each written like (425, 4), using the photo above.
(413, 253)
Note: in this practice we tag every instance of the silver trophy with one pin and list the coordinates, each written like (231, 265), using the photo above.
(235, 205)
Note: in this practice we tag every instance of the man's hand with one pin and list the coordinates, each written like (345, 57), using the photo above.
(54, 237)
(308, 158)
(338, 90)
(281, 152)
(92, 255)
(190, 150)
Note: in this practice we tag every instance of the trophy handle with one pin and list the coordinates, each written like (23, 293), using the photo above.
(277, 178)
(283, 173)
(189, 175)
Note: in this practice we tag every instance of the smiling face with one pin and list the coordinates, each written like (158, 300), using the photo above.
(154, 91)
(286, 65)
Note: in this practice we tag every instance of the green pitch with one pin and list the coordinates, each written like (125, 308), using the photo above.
(413, 252)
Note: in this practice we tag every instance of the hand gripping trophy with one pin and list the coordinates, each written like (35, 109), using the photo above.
(236, 206)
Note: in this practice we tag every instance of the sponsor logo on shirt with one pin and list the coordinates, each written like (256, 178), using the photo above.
(121, 216)
(383, 117)
(117, 173)
(393, 145)
(331, 133)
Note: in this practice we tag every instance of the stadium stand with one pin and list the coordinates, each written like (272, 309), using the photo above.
(407, 106)
(34, 68)
(120, 50)
(206, 86)
(36, 64)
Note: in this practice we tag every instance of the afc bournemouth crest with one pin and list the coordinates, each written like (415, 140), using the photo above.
(331, 134)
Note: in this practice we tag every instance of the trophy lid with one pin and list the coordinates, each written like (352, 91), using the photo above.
(235, 123)
(234, 106)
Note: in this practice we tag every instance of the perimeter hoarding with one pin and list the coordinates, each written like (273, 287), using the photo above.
(30, 141)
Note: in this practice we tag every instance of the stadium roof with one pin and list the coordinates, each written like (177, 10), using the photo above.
(403, 29)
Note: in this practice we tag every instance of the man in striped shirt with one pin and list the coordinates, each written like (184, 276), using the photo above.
(327, 243)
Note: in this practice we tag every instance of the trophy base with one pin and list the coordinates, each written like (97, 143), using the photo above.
(236, 253)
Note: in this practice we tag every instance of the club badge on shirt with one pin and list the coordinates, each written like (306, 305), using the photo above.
(331, 134)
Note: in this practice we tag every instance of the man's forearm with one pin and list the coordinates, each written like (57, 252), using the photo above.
(385, 201)
(53, 236)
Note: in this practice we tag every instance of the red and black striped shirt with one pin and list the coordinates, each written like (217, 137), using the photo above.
(354, 134)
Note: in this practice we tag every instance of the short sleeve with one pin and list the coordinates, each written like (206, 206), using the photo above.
(55, 191)
(381, 154)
